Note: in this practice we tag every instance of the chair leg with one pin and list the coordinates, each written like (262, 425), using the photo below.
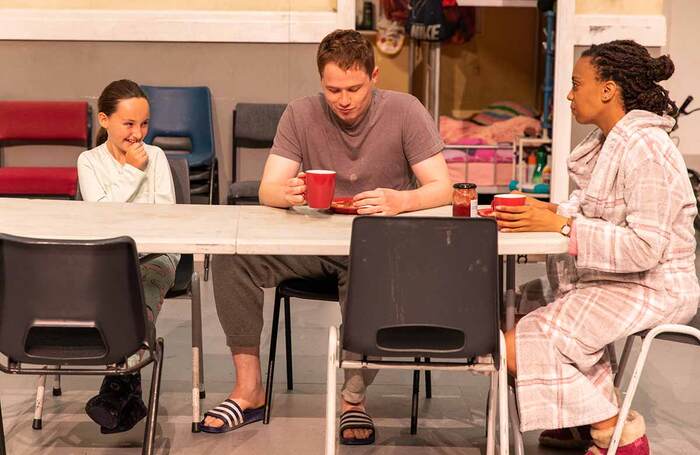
(207, 258)
(149, 436)
(197, 353)
(202, 390)
(56, 391)
(631, 390)
(271, 357)
(428, 381)
(503, 403)
(39, 403)
(512, 412)
(330, 390)
(414, 400)
(2, 435)
(612, 355)
(491, 415)
(213, 182)
(637, 373)
(624, 358)
(288, 343)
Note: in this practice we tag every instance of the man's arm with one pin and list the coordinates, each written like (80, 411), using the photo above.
(435, 190)
(435, 184)
(280, 185)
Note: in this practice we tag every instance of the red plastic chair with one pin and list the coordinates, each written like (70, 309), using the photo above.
(43, 123)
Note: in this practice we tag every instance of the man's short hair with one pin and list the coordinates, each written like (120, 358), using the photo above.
(347, 49)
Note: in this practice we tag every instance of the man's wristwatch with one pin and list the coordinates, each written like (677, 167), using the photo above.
(566, 228)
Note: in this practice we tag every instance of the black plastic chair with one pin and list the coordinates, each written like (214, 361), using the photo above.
(77, 305)
(324, 290)
(423, 287)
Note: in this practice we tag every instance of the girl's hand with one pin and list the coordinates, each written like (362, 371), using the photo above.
(136, 156)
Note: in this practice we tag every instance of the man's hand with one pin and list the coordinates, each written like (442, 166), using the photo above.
(295, 189)
(381, 201)
(524, 218)
(136, 156)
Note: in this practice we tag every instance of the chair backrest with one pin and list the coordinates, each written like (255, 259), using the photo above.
(254, 126)
(183, 112)
(422, 287)
(45, 122)
(67, 301)
(181, 178)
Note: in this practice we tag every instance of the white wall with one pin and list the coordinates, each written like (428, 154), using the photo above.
(683, 18)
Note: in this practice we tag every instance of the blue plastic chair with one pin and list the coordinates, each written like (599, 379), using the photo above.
(186, 112)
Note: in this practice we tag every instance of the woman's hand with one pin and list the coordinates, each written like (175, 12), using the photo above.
(536, 202)
(528, 218)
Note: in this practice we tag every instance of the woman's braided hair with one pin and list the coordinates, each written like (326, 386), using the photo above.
(630, 66)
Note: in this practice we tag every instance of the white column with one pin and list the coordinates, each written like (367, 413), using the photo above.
(561, 125)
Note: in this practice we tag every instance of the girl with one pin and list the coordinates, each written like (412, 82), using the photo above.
(631, 251)
(124, 169)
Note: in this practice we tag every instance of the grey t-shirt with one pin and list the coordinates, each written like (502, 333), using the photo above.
(395, 133)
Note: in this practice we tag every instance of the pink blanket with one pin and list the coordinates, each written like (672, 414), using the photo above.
(464, 132)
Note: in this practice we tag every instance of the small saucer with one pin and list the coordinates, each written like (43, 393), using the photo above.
(343, 205)
(486, 213)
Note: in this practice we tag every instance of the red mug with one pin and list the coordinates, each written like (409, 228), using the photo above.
(510, 199)
(320, 188)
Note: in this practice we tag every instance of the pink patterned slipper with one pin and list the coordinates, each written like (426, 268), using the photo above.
(632, 442)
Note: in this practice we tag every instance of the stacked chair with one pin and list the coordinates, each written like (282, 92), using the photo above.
(42, 123)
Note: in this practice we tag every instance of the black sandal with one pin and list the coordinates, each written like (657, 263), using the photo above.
(356, 420)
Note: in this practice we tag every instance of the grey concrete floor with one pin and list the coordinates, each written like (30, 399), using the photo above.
(451, 422)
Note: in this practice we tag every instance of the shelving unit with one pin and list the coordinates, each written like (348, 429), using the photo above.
(571, 30)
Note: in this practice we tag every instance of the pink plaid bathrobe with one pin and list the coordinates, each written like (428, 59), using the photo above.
(635, 269)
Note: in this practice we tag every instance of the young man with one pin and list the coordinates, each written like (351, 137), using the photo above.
(376, 141)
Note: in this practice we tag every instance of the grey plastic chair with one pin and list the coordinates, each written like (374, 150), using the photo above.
(254, 127)
(423, 287)
(77, 305)
(187, 281)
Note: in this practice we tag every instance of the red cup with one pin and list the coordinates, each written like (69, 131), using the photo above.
(320, 188)
(510, 199)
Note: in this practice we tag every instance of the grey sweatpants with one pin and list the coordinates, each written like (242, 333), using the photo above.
(238, 282)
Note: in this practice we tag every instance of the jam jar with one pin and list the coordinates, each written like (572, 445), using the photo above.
(464, 200)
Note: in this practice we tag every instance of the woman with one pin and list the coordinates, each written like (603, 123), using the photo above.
(631, 251)
(124, 169)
